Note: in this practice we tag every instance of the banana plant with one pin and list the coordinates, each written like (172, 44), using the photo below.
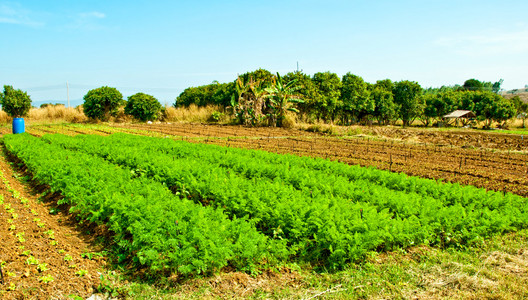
(249, 102)
(282, 97)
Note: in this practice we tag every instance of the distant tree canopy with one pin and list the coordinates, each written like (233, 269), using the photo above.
(479, 86)
(15, 103)
(101, 103)
(349, 99)
(214, 93)
(143, 107)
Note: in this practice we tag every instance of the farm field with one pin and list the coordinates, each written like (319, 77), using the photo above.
(493, 161)
(205, 201)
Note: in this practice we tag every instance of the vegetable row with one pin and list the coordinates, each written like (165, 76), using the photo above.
(326, 211)
(152, 227)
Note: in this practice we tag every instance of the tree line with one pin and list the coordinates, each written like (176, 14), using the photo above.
(261, 98)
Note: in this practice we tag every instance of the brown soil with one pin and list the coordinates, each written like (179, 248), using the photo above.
(38, 247)
(458, 138)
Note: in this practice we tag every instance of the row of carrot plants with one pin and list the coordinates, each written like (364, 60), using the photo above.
(154, 228)
(327, 212)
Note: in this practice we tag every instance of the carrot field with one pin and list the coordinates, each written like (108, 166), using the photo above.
(191, 202)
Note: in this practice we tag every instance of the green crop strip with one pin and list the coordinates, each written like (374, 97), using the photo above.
(327, 212)
(152, 227)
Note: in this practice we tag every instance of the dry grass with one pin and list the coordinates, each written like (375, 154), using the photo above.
(50, 114)
(192, 114)
(523, 96)
(57, 113)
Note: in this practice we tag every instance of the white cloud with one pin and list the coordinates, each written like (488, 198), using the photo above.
(87, 21)
(487, 43)
(15, 14)
(92, 14)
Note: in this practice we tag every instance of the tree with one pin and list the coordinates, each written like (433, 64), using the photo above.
(385, 84)
(407, 95)
(385, 109)
(101, 103)
(222, 93)
(521, 109)
(263, 76)
(439, 104)
(326, 94)
(355, 97)
(15, 103)
(143, 107)
(496, 87)
(472, 85)
(200, 96)
(305, 89)
(492, 107)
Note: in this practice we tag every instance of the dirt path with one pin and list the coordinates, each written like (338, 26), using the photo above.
(43, 254)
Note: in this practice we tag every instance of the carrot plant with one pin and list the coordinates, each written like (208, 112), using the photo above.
(326, 211)
(152, 227)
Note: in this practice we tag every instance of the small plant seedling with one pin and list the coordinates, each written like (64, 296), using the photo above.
(42, 267)
(91, 255)
(73, 266)
(24, 200)
(12, 227)
(54, 210)
(12, 287)
(26, 253)
(34, 212)
(68, 257)
(50, 233)
(46, 279)
(61, 251)
(20, 237)
(32, 261)
(81, 273)
(53, 243)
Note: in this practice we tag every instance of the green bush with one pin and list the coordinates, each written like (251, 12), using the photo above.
(143, 107)
(216, 116)
(15, 103)
(101, 103)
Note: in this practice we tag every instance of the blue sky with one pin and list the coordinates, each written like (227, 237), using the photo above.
(162, 47)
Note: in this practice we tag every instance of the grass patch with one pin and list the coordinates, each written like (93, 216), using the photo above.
(496, 269)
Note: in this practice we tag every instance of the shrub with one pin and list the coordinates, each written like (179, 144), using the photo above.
(216, 116)
(15, 103)
(101, 103)
(143, 107)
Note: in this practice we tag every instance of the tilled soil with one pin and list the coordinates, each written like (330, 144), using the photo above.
(43, 255)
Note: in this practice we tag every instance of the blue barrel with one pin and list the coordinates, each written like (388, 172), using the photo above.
(18, 125)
